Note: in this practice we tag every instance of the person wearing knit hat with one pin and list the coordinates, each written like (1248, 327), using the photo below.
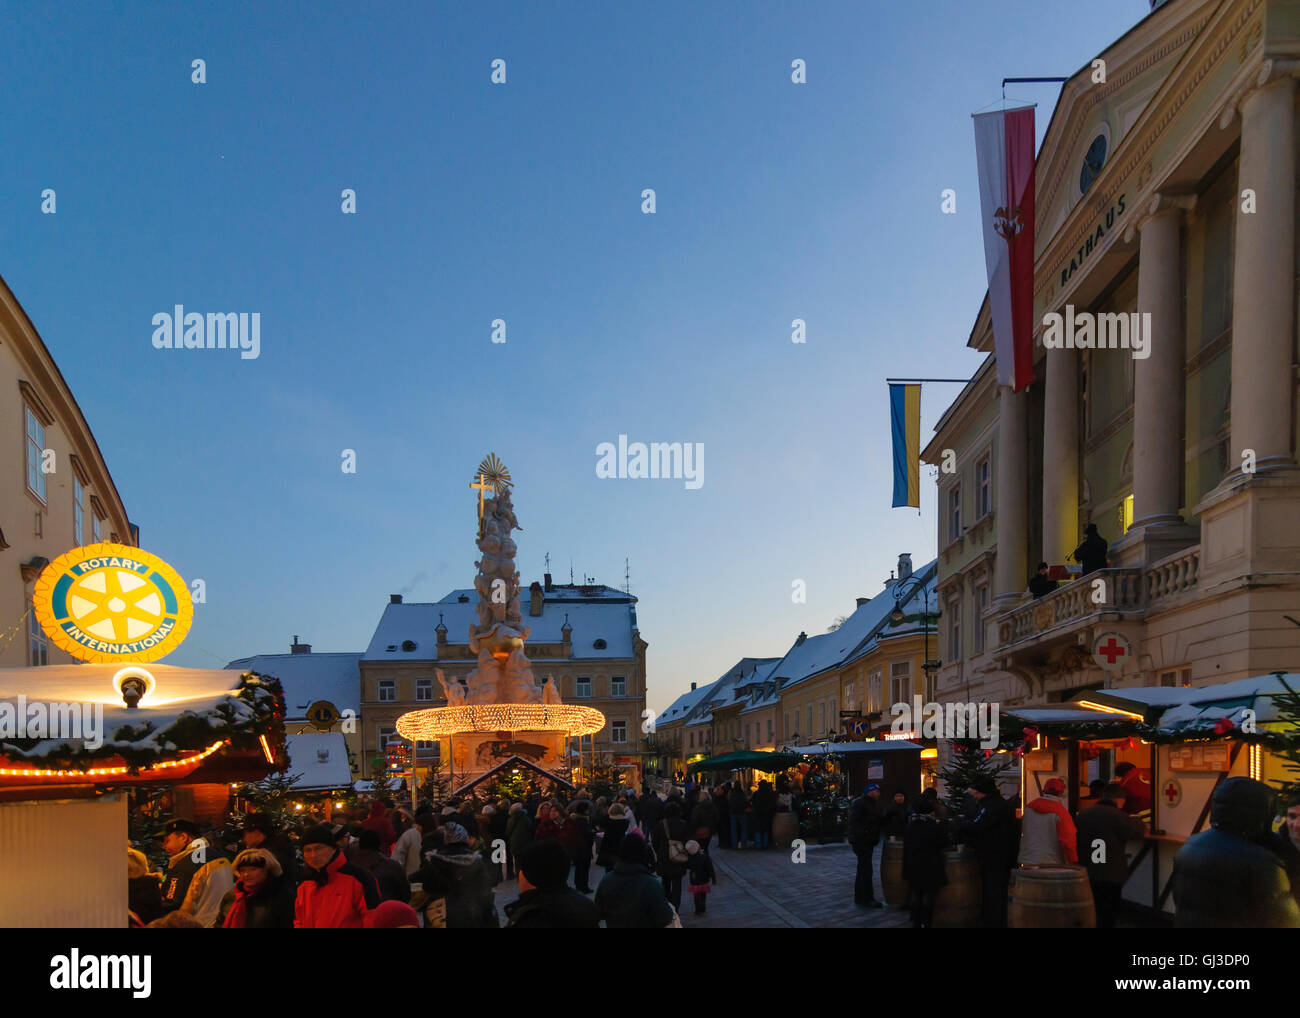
(334, 894)
(392, 915)
(457, 888)
(993, 835)
(262, 897)
(1047, 833)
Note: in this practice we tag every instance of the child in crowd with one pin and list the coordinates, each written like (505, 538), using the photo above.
(700, 867)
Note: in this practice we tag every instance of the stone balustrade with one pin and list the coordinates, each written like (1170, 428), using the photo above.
(1173, 574)
(1120, 591)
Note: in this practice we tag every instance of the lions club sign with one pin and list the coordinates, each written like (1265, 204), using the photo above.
(111, 602)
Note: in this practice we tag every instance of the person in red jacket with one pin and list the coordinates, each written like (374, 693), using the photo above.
(1137, 789)
(379, 823)
(334, 894)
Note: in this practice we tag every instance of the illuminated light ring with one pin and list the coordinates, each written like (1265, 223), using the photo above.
(39, 772)
(56, 616)
(134, 672)
(438, 722)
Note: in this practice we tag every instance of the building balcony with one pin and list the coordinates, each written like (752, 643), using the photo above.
(1060, 615)
(1126, 595)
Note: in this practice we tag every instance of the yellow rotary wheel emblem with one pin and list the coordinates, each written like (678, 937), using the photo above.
(110, 602)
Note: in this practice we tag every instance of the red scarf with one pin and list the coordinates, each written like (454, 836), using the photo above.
(238, 914)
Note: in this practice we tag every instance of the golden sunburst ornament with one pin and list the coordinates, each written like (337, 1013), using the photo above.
(494, 472)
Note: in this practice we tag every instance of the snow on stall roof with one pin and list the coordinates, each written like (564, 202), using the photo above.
(1047, 715)
(1166, 696)
(835, 748)
(321, 758)
(309, 677)
(176, 691)
(609, 620)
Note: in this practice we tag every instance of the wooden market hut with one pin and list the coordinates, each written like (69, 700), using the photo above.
(63, 801)
(1188, 739)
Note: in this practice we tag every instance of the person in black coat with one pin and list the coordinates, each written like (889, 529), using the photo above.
(390, 876)
(894, 820)
(546, 901)
(764, 808)
(1227, 877)
(614, 827)
(1091, 554)
(1107, 823)
(262, 898)
(994, 837)
(144, 890)
(671, 828)
(1039, 584)
(923, 843)
(864, 835)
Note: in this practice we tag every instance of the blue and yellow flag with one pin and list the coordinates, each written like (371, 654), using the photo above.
(905, 425)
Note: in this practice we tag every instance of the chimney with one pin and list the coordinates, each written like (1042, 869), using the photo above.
(535, 597)
(441, 630)
(692, 687)
(802, 637)
(904, 566)
(546, 581)
(862, 601)
(394, 598)
(299, 648)
(566, 630)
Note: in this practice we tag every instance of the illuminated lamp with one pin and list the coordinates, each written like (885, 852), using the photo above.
(37, 772)
(133, 684)
(1110, 710)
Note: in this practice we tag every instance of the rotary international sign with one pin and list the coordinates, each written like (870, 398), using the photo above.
(110, 602)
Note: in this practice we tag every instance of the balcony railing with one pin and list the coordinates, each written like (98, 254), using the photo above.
(1121, 591)
(1173, 574)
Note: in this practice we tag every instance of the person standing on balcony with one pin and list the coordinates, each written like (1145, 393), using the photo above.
(1039, 584)
(1091, 554)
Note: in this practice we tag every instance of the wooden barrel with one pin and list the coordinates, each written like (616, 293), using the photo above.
(958, 901)
(785, 828)
(1051, 897)
(892, 886)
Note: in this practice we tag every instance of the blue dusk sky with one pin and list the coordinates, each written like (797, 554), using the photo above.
(522, 202)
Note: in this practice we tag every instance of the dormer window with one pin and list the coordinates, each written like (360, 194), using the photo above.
(599, 644)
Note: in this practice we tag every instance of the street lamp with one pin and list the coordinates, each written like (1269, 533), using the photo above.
(897, 616)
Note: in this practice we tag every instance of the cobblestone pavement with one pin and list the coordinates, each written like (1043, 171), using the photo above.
(767, 889)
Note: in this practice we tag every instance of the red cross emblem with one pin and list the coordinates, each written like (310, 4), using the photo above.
(1111, 651)
(1173, 792)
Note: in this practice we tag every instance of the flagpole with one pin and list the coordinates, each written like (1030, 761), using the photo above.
(955, 381)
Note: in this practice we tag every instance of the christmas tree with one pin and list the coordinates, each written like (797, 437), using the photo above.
(966, 766)
(270, 797)
(1287, 706)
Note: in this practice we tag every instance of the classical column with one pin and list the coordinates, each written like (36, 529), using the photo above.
(1264, 278)
(1060, 455)
(1158, 378)
(1012, 508)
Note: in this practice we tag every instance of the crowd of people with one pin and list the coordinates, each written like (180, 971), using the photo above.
(439, 866)
(1239, 873)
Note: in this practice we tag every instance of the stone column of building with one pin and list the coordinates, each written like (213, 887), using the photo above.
(1012, 507)
(1158, 378)
(1060, 456)
(1264, 279)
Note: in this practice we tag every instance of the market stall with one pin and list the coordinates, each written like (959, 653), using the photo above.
(1183, 743)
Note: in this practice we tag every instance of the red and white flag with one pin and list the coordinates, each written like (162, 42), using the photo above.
(1004, 150)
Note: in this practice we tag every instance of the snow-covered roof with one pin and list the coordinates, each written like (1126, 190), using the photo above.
(309, 677)
(1186, 706)
(610, 620)
(913, 604)
(682, 706)
(722, 691)
(817, 654)
(321, 758)
(212, 694)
